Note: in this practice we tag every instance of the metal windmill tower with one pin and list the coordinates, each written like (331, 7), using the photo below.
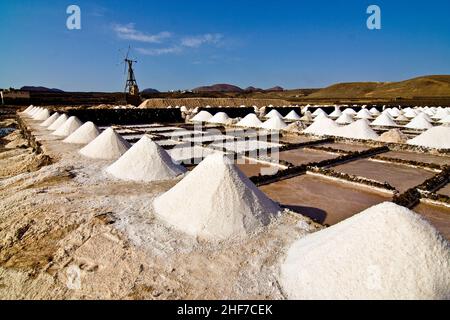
(131, 86)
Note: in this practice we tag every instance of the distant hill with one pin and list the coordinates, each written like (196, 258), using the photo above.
(149, 90)
(427, 86)
(223, 87)
(40, 89)
(232, 88)
(277, 88)
(253, 89)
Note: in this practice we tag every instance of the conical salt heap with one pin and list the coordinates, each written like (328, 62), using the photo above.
(274, 123)
(419, 122)
(27, 109)
(364, 114)
(436, 137)
(84, 134)
(345, 118)
(292, 116)
(34, 111)
(216, 201)
(42, 115)
(58, 122)
(50, 120)
(307, 116)
(274, 113)
(202, 116)
(219, 118)
(385, 252)
(336, 113)
(250, 120)
(384, 120)
(68, 127)
(109, 145)
(145, 161)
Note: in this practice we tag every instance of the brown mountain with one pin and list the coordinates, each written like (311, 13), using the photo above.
(427, 86)
(222, 87)
(277, 88)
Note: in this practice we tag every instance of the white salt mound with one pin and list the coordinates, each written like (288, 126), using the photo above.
(58, 122)
(68, 127)
(336, 113)
(446, 120)
(374, 112)
(384, 120)
(274, 113)
(219, 117)
(419, 122)
(385, 252)
(250, 120)
(358, 130)
(319, 112)
(345, 118)
(436, 137)
(393, 136)
(35, 111)
(42, 115)
(28, 109)
(410, 113)
(307, 116)
(323, 126)
(84, 134)
(145, 161)
(50, 120)
(202, 116)
(221, 203)
(364, 114)
(108, 145)
(349, 111)
(274, 123)
(292, 116)
(401, 118)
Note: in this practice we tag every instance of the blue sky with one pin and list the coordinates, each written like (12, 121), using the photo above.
(184, 44)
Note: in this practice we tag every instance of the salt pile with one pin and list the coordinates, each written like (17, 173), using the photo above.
(27, 109)
(68, 127)
(393, 136)
(374, 112)
(50, 120)
(42, 115)
(219, 117)
(441, 114)
(419, 122)
(202, 116)
(250, 120)
(436, 137)
(58, 122)
(274, 113)
(446, 120)
(84, 134)
(227, 204)
(410, 113)
(35, 111)
(358, 130)
(307, 116)
(274, 123)
(363, 114)
(345, 119)
(385, 252)
(319, 112)
(350, 111)
(321, 116)
(384, 120)
(145, 161)
(292, 116)
(108, 145)
(401, 118)
(336, 113)
(323, 126)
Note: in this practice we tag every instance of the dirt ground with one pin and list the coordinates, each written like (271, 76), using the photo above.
(69, 231)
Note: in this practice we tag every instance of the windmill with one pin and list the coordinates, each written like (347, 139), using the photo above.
(131, 86)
